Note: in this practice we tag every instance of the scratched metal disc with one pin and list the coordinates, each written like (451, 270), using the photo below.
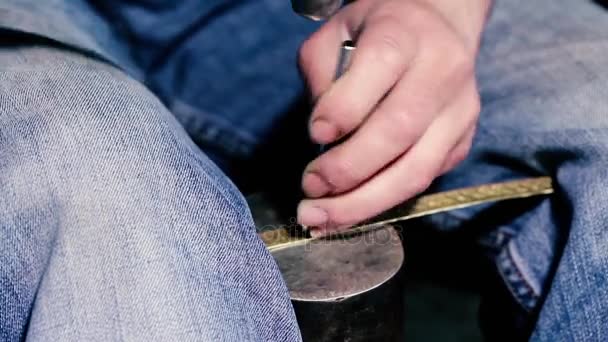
(333, 270)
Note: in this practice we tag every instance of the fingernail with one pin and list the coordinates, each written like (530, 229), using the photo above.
(311, 216)
(322, 131)
(314, 185)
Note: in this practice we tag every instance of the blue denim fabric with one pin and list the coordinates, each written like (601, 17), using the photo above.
(111, 216)
(543, 78)
(215, 64)
(114, 225)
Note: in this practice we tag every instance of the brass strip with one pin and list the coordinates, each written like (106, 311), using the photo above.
(422, 206)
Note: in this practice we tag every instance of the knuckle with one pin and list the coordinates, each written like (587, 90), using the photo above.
(393, 43)
(395, 40)
(462, 63)
(459, 66)
(341, 174)
(411, 13)
(343, 113)
(391, 8)
(346, 110)
(423, 180)
(402, 127)
(461, 152)
(422, 177)
(390, 51)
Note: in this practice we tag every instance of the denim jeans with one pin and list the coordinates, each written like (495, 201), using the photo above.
(116, 225)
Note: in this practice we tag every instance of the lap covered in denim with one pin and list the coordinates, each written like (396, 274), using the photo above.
(114, 225)
(226, 71)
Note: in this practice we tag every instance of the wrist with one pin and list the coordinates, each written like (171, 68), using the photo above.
(468, 18)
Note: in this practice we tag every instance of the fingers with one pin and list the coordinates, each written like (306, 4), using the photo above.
(420, 79)
(318, 56)
(459, 152)
(408, 101)
(403, 179)
(397, 123)
(385, 49)
(379, 62)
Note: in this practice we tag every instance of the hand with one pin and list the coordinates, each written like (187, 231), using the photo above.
(409, 99)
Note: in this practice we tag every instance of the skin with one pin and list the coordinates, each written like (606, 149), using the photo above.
(409, 103)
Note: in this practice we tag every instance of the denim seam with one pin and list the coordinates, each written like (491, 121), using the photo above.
(515, 280)
(202, 126)
(243, 134)
(497, 239)
(507, 268)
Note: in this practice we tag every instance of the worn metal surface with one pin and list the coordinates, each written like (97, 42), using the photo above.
(347, 289)
(329, 270)
(346, 286)
(290, 237)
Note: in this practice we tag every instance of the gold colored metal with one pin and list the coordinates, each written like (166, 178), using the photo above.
(422, 206)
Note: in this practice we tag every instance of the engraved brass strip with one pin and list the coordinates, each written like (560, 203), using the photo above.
(422, 206)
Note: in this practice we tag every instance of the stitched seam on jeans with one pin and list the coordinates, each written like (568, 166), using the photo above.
(506, 264)
(202, 124)
(497, 238)
(218, 120)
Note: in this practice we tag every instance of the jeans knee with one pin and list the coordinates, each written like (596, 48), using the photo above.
(102, 147)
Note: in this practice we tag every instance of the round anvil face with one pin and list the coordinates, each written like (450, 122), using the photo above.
(316, 9)
(337, 269)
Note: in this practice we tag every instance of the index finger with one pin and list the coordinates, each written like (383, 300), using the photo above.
(385, 50)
